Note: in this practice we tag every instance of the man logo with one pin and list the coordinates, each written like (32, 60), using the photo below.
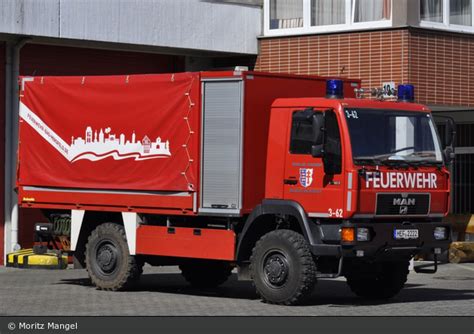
(403, 210)
(404, 201)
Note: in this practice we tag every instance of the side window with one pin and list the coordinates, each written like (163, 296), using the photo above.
(302, 136)
(333, 151)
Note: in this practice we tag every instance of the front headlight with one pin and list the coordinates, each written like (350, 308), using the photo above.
(363, 234)
(440, 233)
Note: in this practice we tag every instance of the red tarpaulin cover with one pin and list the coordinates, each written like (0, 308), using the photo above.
(135, 132)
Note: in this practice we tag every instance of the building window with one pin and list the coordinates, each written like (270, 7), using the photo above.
(285, 14)
(371, 10)
(291, 17)
(455, 15)
(431, 10)
(460, 12)
(328, 12)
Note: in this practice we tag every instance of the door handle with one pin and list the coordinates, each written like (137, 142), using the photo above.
(290, 181)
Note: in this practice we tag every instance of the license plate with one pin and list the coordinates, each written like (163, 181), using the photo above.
(405, 234)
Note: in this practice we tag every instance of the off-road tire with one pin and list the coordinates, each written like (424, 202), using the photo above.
(384, 283)
(108, 260)
(282, 268)
(206, 274)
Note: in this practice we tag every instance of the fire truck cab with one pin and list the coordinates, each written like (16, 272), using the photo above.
(367, 182)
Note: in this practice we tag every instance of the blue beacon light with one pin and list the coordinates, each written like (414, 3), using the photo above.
(335, 89)
(406, 93)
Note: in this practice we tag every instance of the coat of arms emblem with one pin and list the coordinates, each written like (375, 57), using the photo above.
(306, 177)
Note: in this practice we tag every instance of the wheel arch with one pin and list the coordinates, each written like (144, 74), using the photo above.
(262, 220)
(82, 225)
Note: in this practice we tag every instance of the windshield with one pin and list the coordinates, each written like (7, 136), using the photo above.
(393, 136)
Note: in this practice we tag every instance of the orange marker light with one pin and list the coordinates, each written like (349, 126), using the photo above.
(347, 234)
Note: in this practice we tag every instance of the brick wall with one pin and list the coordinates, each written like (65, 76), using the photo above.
(374, 57)
(442, 67)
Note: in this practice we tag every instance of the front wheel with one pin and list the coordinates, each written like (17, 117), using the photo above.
(282, 268)
(383, 282)
(108, 260)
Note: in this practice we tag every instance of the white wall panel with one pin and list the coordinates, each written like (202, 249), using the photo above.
(30, 17)
(185, 24)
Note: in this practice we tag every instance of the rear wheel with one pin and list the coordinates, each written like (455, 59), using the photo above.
(282, 268)
(206, 273)
(382, 283)
(108, 260)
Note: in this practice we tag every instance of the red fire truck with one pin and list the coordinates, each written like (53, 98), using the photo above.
(279, 176)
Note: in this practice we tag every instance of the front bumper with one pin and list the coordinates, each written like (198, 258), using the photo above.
(382, 244)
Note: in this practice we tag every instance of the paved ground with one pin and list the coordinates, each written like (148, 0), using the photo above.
(163, 292)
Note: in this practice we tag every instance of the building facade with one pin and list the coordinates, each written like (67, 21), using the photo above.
(428, 43)
(107, 37)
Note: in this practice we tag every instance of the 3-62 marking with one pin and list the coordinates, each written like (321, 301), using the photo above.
(335, 213)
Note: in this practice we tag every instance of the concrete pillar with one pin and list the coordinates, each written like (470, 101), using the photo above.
(8, 146)
(12, 72)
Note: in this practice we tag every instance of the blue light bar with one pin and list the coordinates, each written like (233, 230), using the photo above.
(406, 93)
(335, 89)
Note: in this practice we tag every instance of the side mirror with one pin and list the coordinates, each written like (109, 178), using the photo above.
(449, 136)
(449, 155)
(317, 150)
(450, 133)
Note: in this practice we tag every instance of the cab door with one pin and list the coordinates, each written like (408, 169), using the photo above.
(305, 180)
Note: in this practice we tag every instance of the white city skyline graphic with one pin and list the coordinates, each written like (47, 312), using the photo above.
(99, 144)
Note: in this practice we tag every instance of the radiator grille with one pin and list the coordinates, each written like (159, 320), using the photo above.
(399, 204)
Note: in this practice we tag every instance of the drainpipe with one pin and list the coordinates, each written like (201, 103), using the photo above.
(8, 121)
(12, 121)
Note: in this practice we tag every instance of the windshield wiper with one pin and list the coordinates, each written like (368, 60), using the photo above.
(395, 163)
(428, 163)
(389, 159)
(423, 155)
(367, 161)
(380, 159)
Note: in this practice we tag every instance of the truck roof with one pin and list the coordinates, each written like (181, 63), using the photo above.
(217, 74)
(350, 102)
(220, 74)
